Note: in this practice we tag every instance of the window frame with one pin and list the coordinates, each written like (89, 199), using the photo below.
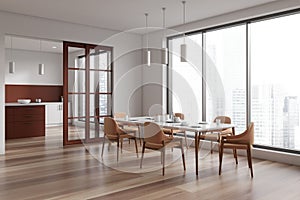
(203, 31)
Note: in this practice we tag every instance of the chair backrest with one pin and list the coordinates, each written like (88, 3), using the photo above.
(250, 131)
(224, 119)
(180, 115)
(110, 126)
(119, 115)
(247, 137)
(153, 133)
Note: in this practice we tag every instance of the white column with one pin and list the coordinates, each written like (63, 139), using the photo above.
(2, 94)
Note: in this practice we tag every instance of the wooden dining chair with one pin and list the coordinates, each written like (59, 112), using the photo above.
(127, 128)
(114, 133)
(242, 141)
(215, 136)
(172, 132)
(155, 139)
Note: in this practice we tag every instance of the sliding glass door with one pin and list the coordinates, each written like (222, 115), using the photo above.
(87, 91)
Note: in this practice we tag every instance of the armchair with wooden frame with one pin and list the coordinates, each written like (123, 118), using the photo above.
(173, 132)
(114, 133)
(241, 141)
(155, 139)
(127, 128)
(215, 136)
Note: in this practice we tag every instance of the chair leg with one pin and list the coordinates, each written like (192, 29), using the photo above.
(164, 157)
(220, 157)
(182, 155)
(109, 145)
(211, 147)
(186, 141)
(103, 147)
(118, 144)
(143, 151)
(136, 148)
(121, 145)
(235, 155)
(250, 160)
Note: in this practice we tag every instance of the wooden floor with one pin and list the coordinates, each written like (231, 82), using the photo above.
(40, 168)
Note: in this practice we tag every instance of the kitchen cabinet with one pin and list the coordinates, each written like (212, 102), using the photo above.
(54, 114)
(24, 121)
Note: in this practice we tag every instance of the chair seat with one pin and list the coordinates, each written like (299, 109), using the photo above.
(214, 136)
(170, 131)
(169, 141)
(210, 136)
(235, 146)
(130, 129)
(122, 136)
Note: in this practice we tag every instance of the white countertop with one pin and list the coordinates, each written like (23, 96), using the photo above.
(32, 104)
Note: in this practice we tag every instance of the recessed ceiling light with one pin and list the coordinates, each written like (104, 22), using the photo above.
(54, 47)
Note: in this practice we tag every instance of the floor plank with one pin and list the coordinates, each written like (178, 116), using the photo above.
(40, 168)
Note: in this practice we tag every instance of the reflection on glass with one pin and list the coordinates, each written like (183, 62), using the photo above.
(77, 105)
(95, 131)
(76, 57)
(100, 105)
(76, 129)
(100, 81)
(100, 59)
(76, 81)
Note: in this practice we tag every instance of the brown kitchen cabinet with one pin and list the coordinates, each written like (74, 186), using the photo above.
(24, 121)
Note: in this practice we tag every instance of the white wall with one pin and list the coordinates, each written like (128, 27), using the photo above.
(26, 71)
(2, 95)
(15, 24)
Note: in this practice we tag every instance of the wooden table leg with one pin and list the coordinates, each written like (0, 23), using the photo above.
(196, 151)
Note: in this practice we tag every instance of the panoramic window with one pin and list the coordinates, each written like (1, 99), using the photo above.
(275, 62)
(225, 75)
(273, 59)
(186, 77)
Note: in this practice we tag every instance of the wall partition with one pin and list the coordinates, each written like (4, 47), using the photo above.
(249, 72)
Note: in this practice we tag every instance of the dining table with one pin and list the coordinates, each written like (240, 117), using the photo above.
(196, 128)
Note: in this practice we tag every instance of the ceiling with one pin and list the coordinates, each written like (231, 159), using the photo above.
(125, 14)
(117, 15)
(31, 44)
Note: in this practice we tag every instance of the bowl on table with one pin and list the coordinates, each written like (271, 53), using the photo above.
(24, 101)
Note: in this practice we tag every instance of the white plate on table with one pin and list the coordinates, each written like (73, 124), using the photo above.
(195, 126)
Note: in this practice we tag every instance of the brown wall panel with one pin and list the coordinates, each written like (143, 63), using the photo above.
(48, 93)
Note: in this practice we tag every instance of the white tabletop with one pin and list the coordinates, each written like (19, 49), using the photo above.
(194, 127)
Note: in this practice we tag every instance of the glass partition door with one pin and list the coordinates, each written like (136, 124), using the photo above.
(87, 91)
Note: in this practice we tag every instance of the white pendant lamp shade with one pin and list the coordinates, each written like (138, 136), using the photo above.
(164, 50)
(183, 46)
(11, 67)
(148, 55)
(183, 53)
(148, 58)
(41, 69)
(11, 63)
(164, 56)
(41, 65)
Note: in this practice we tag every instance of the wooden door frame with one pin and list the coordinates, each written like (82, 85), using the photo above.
(87, 48)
